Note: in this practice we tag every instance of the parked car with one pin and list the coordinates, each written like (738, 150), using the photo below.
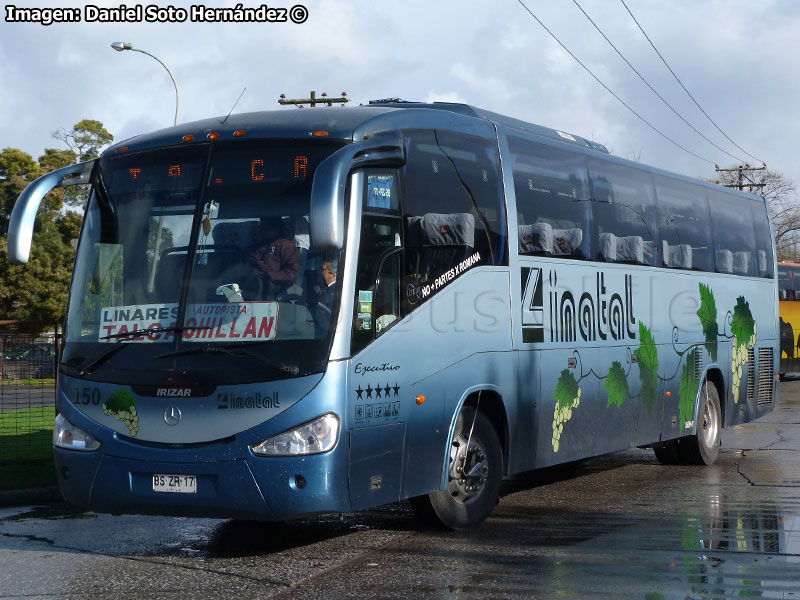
(29, 361)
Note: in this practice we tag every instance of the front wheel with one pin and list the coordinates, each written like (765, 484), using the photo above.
(474, 475)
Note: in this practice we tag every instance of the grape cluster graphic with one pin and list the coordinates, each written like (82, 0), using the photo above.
(568, 397)
(121, 405)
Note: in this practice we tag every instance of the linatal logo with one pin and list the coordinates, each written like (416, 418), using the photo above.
(232, 401)
(532, 306)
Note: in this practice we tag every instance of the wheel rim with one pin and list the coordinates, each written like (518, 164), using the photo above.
(469, 468)
(710, 423)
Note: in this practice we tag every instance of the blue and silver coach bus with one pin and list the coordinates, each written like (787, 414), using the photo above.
(325, 310)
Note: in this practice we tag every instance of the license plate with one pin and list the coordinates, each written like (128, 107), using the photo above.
(177, 484)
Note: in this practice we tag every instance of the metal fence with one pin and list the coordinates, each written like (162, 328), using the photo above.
(28, 355)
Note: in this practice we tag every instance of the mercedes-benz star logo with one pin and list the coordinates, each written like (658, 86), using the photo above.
(172, 415)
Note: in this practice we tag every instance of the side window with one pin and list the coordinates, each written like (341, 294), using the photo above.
(684, 225)
(553, 207)
(763, 259)
(786, 283)
(625, 214)
(452, 205)
(734, 234)
(795, 285)
(377, 293)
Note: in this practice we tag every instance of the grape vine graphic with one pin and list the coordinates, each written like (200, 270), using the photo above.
(616, 384)
(568, 396)
(743, 331)
(707, 313)
(647, 356)
(568, 390)
(121, 405)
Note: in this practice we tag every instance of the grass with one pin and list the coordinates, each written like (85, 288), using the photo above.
(28, 382)
(20, 476)
(26, 449)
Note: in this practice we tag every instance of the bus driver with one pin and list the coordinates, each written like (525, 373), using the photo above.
(275, 260)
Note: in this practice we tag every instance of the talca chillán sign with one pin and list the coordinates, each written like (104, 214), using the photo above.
(149, 323)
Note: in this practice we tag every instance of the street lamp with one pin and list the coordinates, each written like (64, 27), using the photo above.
(120, 46)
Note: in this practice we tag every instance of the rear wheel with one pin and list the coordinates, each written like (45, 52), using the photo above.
(702, 448)
(474, 475)
(667, 453)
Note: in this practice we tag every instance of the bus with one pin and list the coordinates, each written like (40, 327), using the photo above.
(788, 296)
(295, 312)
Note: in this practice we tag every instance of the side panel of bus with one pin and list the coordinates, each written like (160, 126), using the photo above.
(629, 294)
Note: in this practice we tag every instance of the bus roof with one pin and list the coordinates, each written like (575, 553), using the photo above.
(342, 123)
(349, 124)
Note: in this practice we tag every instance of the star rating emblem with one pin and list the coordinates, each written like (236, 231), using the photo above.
(360, 392)
(369, 391)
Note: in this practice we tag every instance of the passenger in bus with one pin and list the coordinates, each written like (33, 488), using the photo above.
(327, 292)
(275, 260)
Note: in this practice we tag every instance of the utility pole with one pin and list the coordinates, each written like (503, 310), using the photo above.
(741, 169)
(313, 100)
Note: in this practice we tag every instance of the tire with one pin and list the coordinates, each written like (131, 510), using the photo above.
(702, 448)
(468, 499)
(667, 453)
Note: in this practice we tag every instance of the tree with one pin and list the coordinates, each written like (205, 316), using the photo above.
(84, 141)
(17, 170)
(782, 201)
(36, 292)
(53, 159)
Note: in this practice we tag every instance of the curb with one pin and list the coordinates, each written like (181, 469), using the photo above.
(40, 495)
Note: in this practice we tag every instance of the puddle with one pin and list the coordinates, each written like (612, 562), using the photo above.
(54, 512)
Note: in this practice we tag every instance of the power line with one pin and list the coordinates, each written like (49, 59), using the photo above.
(660, 97)
(684, 87)
(608, 89)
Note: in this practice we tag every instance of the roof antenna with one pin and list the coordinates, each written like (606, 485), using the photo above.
(225, 121)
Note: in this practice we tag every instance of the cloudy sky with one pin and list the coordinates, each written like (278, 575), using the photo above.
(737, 57)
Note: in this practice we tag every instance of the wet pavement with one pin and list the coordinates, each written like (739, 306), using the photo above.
(620, 526)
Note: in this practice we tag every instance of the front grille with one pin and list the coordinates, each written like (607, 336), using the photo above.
(751, 374)
(766, 376)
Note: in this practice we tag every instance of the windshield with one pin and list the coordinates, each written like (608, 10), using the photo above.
(198, 260)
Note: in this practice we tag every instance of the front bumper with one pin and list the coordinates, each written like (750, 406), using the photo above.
(241, 488)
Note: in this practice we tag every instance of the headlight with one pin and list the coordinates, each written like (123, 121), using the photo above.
(316, 436)
(66, 435)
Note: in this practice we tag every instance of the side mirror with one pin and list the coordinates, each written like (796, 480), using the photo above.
(330, 182)
(20, 227)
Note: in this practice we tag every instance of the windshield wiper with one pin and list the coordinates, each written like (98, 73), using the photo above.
(95, 362)
(151, 331)
(91, 364)
(289, 369)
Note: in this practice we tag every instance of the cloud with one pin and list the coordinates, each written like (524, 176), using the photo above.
(736, 57)
(455, 97)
